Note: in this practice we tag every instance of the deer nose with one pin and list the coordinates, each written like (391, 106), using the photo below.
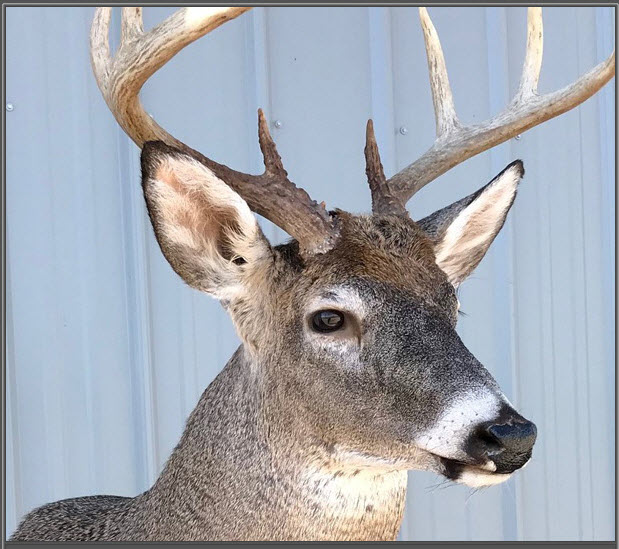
(508, 442)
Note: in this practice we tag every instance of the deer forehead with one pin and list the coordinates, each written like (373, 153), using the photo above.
(390, 251)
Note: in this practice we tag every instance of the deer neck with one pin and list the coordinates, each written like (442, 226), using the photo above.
(239, 473)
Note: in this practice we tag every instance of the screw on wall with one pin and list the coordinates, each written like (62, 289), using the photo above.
(278, 124)
(9, 107)
(517, 138)
(403, 130)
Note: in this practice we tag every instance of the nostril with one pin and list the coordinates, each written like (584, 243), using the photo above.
(485, 443)
(488, 438)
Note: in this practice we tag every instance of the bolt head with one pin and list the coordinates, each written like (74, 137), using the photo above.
(517, 138)
(278, 124)
(9, 107)
(403, 130)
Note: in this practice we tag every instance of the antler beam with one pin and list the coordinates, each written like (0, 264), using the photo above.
(121, 77)
(456, 143)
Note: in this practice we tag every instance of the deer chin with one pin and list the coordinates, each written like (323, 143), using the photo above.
(474, 476)
(478, 478)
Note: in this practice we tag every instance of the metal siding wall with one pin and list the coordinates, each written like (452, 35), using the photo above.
(73, 425)
(108, 351)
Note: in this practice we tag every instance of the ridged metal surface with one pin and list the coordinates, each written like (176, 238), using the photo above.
(108, 351)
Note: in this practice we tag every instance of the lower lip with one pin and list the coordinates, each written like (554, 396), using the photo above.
(478, 478)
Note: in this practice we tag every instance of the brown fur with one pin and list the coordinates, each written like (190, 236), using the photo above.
(303, 435)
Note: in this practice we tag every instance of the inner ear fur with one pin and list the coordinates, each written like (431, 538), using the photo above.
(205, 230)
(463, 231)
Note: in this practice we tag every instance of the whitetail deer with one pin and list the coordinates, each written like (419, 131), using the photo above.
(350, 371)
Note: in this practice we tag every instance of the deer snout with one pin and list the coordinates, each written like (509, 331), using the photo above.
(507, 441)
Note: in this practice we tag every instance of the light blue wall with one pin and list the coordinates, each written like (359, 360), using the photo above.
(108, 351)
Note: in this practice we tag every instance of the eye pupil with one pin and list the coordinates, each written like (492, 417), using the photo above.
(327, 321)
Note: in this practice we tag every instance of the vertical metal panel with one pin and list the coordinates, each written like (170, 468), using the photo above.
(108, 351)
(560, 299)
(603, 378)
(72, 399)
(326, 113)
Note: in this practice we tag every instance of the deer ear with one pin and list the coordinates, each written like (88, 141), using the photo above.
(205, 230)
(463, 231)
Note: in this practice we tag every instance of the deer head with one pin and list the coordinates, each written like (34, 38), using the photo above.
(349, 329)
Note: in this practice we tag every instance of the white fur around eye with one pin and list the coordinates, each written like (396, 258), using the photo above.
(346, 341)
(339, 298)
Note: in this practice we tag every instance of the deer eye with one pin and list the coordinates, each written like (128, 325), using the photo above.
(327, 321)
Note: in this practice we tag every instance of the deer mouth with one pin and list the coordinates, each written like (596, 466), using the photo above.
(474, 475)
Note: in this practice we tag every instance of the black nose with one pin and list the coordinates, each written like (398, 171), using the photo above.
(508, 441)
(517, 436)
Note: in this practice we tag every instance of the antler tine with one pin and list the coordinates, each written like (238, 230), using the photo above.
(274, 196)
(272, 160)
(139, 56)
(533, 57)
(444, 110)
(100, 56)
(383, 200)
(121, 78)
(131, 24)
(526, 110)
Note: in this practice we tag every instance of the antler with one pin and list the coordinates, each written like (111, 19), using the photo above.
(383, 200)
(456, 143)
(139, 56)
(272, 194)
